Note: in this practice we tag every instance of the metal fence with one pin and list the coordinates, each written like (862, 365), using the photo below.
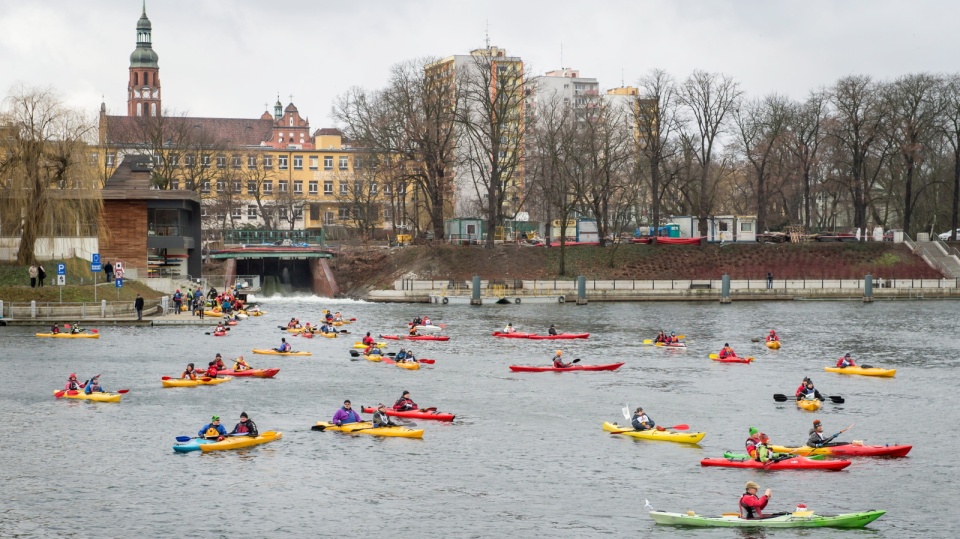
(68, 311)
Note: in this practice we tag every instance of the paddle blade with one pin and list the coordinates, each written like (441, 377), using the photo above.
(123, 391)
(353, 319)
(779, 397)
(837, 399)
(431, 409)
(60, 394)
(206, 378)
(183, 438)
(427, 361)
(648, 341)
(165, 378)
(626, 412)
(575, 361)
(681, 426)
(94, 331)
(681, 336)
(714, 356)
(318, 428)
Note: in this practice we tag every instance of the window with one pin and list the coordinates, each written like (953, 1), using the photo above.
(387, 213)
(268, 161)
(237, 186)
(328, 162)
(221, 161)
(313, 162)
(157, 159)
(236, 213)
(236, 161)
(343, 213)
(357, 163)
(373, 188)
(298, 188)
(219, 186)
(251, 212)
(174, 184)
(387, 189)
(205, 188)
(173, 159)
(298, 162)
(190, 161)
(313, 188)
(251, 161)
(283, 185)
(328, 218)
(282, 212)
(746, 227)
(267, 187)
(328, 187)
(205, 161)
(298, 213)
(343, 162)
(252, 187)
(344, 188)
(282, 162)
(203, 211)
(111, 157)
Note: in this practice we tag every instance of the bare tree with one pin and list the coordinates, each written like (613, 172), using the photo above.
(254, 177)
(605, 147)
(490, 120)
(760, 128)
(49, 185)
(951, 130)
(806, 133)
(655, 118)
(707, 99)
(364, 196)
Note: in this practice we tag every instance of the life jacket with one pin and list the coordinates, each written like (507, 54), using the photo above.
(746, 511)
(558, 362)
(212, 432)
(404, 404)
(55, 330)
(367, 340)
(242, 428)
(72, 385)
(212, 371)
(285, 347)
(239, 366)
(751, 445)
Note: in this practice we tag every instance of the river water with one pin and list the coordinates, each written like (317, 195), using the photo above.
(525, 457)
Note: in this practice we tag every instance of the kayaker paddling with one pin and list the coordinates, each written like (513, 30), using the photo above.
(368, 340)
(94, 386)
(641, 421)
(552, 330)
(284, 346)
(240, 364)
(773, 337)
(345, 414)
(846, 361)
(752, 442)
(807, 391)
(727, 352)
(380, 417)
(558, 360)
(405, 403)
(55, 329)
(509, 328)
(190, 372)
(661, 337)
(212, 430)
(764, 453)
(818, 439)
(246, 427)
(751, 506)
(72, 383)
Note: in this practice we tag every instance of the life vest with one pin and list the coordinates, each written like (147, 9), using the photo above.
(212, 433)
(241, 428)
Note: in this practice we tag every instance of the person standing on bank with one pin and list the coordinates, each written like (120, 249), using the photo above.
(769, 279)
(138, 305)
(33, 276)
(41, 274)
(108, 269)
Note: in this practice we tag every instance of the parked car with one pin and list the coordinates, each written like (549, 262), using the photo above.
(946, 235)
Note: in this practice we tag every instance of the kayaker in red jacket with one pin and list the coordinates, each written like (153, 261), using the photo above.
(772, 337)
(802, 389)
(752, 441)
(404, 403)
(558, 360)
(727, 351)
(72, 383)
(751, 506)
(219, 363)
(212, 369)
(846, 361)
(56, 328)
(368, 339)
(661, 337)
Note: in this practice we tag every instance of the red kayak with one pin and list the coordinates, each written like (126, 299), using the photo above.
(259, 373)
(560, 336)
(231, 322)
(533, 368)
(414, 414)
(852, 450)
(732, 359)
(416, 337)
(795, 463)
(219, 333)
(514, 335)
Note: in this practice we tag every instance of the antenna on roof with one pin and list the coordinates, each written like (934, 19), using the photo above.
(622, 83)
(488, 34)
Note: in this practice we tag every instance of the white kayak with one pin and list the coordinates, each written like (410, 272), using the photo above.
(429, 329)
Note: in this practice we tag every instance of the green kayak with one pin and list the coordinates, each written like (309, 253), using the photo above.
(799, 519)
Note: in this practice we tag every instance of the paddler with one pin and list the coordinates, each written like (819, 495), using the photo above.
(212, 369)
(337, 317)
(752, 441)
(219, 328)
(672, 339)
(404, 403)
(773, 337)
(751, 506)
(846, 361)
(245, 427)
(240, 364)
(426, 321)
(368, 340)
(380, 417)
(661, 337)
(558, 360)
(72, 383)
(190, 372)
(727, 351)
(56, 328)
(76, 328)
(817, 438)
(807, 391)
(284, 346)
(292, 324)
(212, 430)
(413, 332)
(552, 330)
(345, 414)
(764, 454)
(94, 386)
(418, 321)
(641, 421)
(307, 328)
(218, 361)
(509, 328)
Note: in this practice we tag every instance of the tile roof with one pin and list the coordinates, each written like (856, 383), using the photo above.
(232, 132)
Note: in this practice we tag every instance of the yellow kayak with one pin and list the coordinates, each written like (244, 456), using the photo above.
(237, 442)
(811, 405)
(95, 397)
(272, 352)
(360, 345)
(186, 382)
(215, 314)
(773, 345)
(330, 335)
(340, 323)
(366, 427)
(872, 371)
(410, 366)
(664, 435)
(377, 358)
(69, 335)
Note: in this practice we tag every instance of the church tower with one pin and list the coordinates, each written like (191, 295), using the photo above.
(143, 89)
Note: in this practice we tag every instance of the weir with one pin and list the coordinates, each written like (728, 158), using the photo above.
(282, 269)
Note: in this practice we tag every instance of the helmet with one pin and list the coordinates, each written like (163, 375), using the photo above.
(73, 375)
(847, 354)
(764, 437)
(559, 352)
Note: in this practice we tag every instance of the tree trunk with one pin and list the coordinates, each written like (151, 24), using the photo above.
(806, 198)
(908, 197)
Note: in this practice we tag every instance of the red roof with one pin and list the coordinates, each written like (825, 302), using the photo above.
(231, 132)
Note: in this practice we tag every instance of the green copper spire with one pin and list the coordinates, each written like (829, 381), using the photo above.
(144, 56)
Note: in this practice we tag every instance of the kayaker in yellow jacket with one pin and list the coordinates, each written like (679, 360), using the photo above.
(240, 364)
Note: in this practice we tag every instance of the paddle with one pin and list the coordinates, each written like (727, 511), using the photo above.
(780, 397)
(123, 391)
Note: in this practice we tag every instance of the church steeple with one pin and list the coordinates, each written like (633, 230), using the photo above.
(143, 88)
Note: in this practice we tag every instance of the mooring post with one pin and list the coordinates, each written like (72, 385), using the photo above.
(475, 298)
(581, 290)
(868, 289)
(725, 289)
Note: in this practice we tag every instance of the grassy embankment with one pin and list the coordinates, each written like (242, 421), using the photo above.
(15, 284)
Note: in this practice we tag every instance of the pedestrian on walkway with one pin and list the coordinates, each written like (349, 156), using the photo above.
(33, 276)
(138, 305)
(41, 275)
(108, 269)
(769, 279)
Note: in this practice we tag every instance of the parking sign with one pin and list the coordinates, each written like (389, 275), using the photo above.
(95, 265)
(61, 268)
(119, 282)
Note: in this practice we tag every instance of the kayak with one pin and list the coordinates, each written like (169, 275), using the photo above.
(731, 455)
(272, 352)
(429, 329)
(339, 323)
(373, 357)
(237, 442)
(409, 365)
(514, 335)
(797, 519)
(95, 397)
(416, 337)
(670, 344)
(559, 336)
(773, 345)
(305, 335)
(664, 435)
(186, 382)
(872, 371)
(413, 414)
(219, 333)
(849, 450)
(534, 368)
(192, 445)
(793, 463)
(366, 427)
(360, 345)
(241, 316)
(212, 313)
(69, 335)
(731, 359)
(810, 405)
(330, 335)
(256, 373)
(232, 322)
(295, 330)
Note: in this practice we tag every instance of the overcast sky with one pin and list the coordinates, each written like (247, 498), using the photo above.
(225, 58)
